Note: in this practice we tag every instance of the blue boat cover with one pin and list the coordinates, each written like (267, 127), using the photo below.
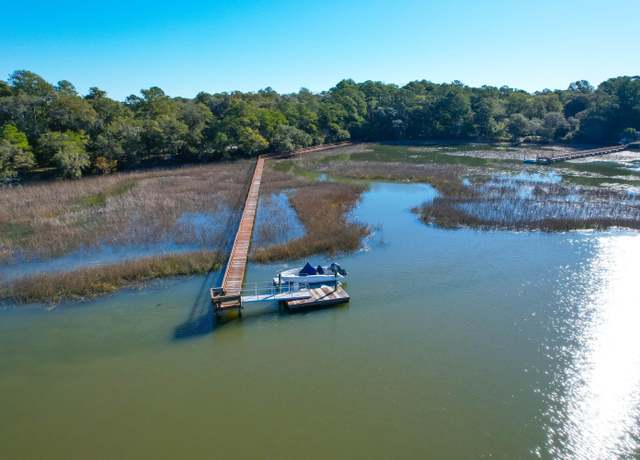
(307, 270)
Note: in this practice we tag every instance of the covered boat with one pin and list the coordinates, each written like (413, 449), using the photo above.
(312, 275)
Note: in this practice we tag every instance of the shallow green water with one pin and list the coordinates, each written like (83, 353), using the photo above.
(457, 344)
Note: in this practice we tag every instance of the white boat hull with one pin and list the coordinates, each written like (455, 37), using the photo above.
(309, 279)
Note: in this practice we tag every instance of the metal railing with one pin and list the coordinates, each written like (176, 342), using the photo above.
(265, 289)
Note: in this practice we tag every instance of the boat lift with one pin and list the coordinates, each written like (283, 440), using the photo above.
(284, 292)
(281, 292)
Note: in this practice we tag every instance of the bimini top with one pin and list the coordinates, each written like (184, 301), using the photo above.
(308, 270)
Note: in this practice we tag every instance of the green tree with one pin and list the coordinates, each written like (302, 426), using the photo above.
(484, 118)
(15, 153)
(11, 134)
(66, 87)
(554, 126)
(250, 141)
(5, 89)
(518, 126)
(581, 86)
(153, 126)
(29, 83)
(68, 112)
(68, 152)
(289, 138)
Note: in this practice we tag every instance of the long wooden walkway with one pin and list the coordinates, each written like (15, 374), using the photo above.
(565, 156)
(315, 148)
(229, 296)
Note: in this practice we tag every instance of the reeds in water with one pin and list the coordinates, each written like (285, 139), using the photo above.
(50, 219)
(323, 208)
(90, 282)
(546, 207)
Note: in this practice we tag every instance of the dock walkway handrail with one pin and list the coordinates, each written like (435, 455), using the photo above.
(263, 289)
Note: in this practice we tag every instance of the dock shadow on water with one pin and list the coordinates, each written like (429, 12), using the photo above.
(200, 320)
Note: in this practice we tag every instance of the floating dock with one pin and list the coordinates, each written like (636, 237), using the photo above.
(320, 297)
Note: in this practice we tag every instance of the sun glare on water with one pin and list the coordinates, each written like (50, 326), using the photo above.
(596, 414)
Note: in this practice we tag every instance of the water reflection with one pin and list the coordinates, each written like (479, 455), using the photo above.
(276, 221)
(595, 414)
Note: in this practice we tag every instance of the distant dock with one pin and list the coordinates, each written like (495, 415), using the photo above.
(566, 156)
(315, 148)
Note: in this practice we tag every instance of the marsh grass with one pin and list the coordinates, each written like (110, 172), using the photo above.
(517, 202)
(91, 282)
(323, 208)
(446, 178)
(99, 199)
(398, 153)
(548, 207)
(50, 219)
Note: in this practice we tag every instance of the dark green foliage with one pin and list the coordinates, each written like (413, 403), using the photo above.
(289, 138)
(15, 153)
(67, 151)
(100, 134)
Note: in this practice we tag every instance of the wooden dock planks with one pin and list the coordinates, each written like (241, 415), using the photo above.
(315, 148)
(320, 297)
(321, 147)
(234, 274)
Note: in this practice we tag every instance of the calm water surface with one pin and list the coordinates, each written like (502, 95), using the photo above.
(457, 344)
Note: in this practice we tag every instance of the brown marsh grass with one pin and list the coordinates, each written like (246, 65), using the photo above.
(549, 208)
(446, 178)
(483, 203)
(50, 219)
(323, 208)
(90, 282)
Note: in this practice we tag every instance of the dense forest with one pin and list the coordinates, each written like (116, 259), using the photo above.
(51, 129)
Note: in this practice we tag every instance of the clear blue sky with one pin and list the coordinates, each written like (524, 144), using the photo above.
(187, 46)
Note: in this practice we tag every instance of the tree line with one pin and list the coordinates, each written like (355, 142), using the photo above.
(51, 128)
